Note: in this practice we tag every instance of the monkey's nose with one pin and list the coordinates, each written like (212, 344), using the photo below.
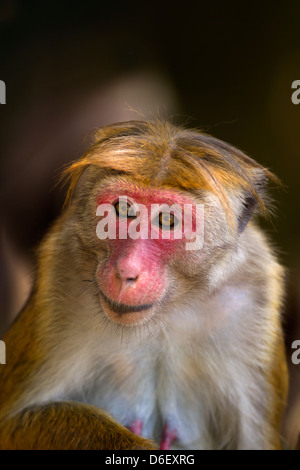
(128, 270)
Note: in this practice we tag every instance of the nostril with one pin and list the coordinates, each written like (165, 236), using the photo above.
(123, 278)
(131, 279)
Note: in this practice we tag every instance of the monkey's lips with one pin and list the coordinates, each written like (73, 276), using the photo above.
(126, 314)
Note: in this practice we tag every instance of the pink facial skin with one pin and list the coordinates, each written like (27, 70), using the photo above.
(135, 273)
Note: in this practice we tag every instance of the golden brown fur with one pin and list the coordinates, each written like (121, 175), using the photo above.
(216, 341)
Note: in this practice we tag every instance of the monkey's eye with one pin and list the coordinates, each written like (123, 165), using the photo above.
(166, 220)
(122, 209)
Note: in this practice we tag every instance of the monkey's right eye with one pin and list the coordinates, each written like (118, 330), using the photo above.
(122, 209)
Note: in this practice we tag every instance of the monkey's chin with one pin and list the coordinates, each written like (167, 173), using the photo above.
(126, 314)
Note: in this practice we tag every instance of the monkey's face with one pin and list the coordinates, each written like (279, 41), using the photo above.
(152, 249)
(144, 260)
(144, 233)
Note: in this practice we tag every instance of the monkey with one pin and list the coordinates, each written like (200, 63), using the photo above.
(143, 342)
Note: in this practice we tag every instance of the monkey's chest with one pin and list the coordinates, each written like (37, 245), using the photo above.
(161, 399)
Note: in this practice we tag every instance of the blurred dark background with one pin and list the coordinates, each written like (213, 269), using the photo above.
(70, 67)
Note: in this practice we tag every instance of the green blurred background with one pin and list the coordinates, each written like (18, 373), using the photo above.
(69, 67)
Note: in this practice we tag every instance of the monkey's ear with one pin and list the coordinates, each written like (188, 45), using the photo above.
(248, 206)
(251, 199)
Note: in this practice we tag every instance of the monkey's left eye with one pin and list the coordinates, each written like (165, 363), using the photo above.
(122, 209)
(166, 220)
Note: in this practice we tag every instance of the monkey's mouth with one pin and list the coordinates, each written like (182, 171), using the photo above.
(122, 309)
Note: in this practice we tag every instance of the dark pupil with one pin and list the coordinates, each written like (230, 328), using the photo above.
(166, 220)
(122, 210)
